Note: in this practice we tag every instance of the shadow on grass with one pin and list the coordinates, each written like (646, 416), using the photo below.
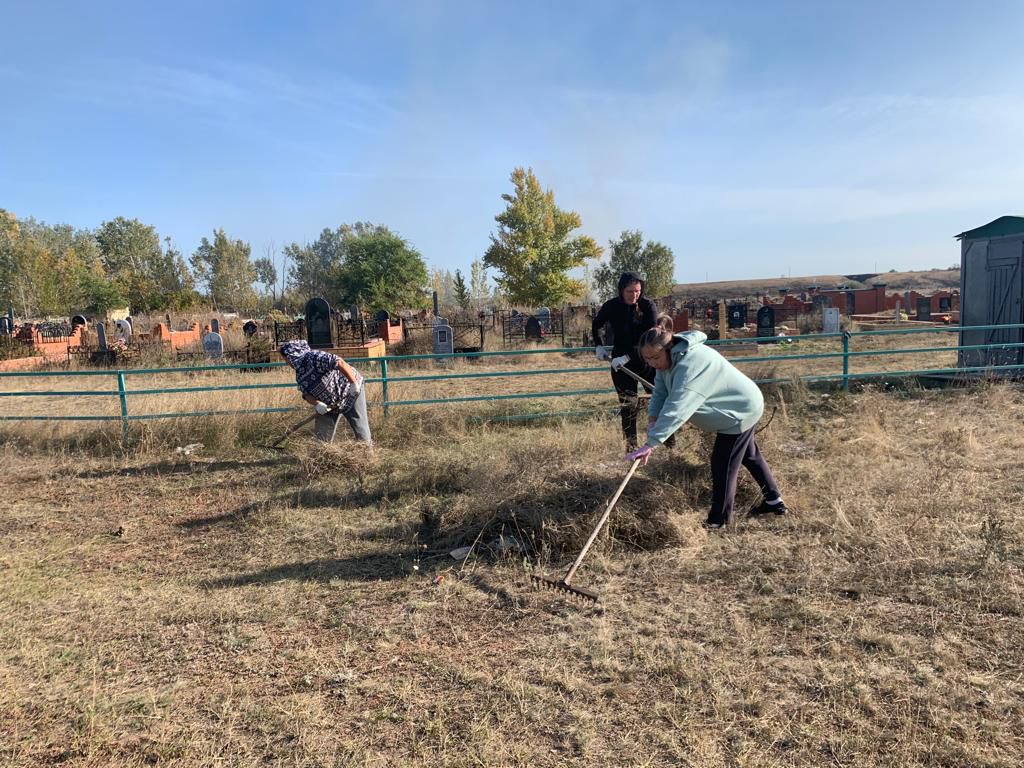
(180, 468)
(306, 498)
(370, 567)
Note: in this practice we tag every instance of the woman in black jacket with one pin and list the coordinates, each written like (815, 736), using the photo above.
(629, 314)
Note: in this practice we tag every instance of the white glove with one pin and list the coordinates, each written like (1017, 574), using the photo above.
(603, 353)
(618, 362)
(321, 408)
(357, 385)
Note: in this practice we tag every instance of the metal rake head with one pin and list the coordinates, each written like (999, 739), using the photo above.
(581, 593)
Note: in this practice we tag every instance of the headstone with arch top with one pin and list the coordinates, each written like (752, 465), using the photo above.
(444, 341)
(215, 325)
(318, 323)
(123, 332)
(213, 345)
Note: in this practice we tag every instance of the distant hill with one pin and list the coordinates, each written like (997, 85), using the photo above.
(923, 281)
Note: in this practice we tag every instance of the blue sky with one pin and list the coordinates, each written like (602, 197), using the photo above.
(756, 139)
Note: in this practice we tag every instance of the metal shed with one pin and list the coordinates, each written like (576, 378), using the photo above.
(991, 290)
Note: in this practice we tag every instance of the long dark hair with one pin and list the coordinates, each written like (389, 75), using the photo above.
(626, 279)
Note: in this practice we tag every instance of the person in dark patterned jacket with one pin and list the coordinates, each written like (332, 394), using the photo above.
(333, 387)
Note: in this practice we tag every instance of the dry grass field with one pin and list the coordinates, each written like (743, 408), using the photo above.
(243, 607)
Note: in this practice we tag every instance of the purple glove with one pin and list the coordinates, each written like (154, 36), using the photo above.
(643, 453)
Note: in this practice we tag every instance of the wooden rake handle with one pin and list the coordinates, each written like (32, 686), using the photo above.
(297, 427)
(601, 522)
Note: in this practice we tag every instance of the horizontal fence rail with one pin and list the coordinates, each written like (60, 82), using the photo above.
(386, 379)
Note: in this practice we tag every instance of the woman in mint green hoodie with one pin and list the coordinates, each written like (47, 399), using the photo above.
(695, 383)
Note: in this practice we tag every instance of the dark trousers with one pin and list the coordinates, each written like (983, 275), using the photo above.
(629, 402)
(729, 454)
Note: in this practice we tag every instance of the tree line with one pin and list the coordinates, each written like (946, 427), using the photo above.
(57, 270)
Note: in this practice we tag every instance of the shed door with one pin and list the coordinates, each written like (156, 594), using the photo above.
(974, 300)
(1005, 283)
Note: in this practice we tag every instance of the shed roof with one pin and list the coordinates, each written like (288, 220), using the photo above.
(1004, 225)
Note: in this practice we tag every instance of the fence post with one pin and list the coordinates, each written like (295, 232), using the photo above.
(123, 395)
(846, 361)
(384, 384)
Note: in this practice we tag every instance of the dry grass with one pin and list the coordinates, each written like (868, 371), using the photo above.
(242, 607)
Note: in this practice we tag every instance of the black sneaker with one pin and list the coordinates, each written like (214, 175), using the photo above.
(764, 508)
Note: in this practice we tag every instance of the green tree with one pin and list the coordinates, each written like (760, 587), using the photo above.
(653, 260)
(533, 249)
(313, 269)
(266, 274)
(149, 277)
(182, 293)
(99, 294)
(460, 291)
(227, 272)
(10, 233)
(380, 270)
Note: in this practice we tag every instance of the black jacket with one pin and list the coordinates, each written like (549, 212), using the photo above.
(627, 323)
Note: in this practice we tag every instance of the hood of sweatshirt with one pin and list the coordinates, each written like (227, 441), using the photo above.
(686, 341)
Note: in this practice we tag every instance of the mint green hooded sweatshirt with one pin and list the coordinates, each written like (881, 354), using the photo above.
(704, 388)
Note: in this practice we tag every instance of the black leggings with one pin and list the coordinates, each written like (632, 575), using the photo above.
(729, 454)
(629, 402)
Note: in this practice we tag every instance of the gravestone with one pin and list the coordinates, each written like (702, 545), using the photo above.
(945, 304)
(830, 320)
(215, 325)
(123, 331)
(444, 342)
(318, 323)
(78, 320)
(544, 318)
(820, 303)
(103, 354)
(924, 308)
(5, 326)
(737, 315)
(765, 322)
(250, 328)
(533, 329)
(213, 345)
(382, 316)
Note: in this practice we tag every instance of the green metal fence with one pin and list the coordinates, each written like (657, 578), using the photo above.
(386, 378)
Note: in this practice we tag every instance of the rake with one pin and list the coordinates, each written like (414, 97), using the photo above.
(277, 443)
(638, 379)
(565, 583)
